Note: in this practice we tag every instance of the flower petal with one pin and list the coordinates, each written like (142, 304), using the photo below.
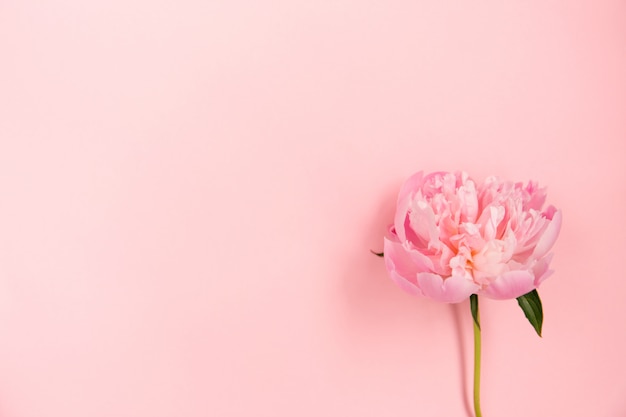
(411, 185)
(407, 262)
(423, 223)
(549, 236)
(510, 285)
(405, 284)
(541, 271)
(400, 218)
(451, 290)
(468, 200)
(401, 267)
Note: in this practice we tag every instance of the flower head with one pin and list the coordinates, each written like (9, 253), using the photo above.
(452, 238)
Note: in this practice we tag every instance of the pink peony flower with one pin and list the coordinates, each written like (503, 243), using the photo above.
(452, 238)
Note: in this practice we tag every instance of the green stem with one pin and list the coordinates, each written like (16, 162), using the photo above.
(476, 322)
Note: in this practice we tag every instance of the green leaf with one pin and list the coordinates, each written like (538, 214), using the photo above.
(381, 254)
(531, 305)
(474, 308)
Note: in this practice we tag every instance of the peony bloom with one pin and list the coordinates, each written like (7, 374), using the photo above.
(452, 238)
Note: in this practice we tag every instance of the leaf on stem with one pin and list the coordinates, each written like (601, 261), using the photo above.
(474, 308)
(531, 305)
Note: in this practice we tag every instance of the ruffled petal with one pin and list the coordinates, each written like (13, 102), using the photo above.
(423, 223)
(549, 236)
(540, 269)
(422, 262)
(407, 262)
(405, 284)
(402, 268)
(509, 285)
(451, 290)
(411, 185)
(536, 196)
(468, 202)
(400, 218)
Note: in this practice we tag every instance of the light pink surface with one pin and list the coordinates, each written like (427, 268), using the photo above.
(189, 192)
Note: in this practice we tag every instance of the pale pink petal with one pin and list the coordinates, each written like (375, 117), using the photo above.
(402, 270)
(549, 212)
(400, 218)
(406, 262)
(451, 290)
(422, 262)
(541, 265)
(433, 183)
(543, 277)
(423, 223)
(405, 284)
(487, 191)
(509, 285)
(549, 236)
(411, 185)
(468, 200)
(441, 261)
(489, 220)
(496, 217)
(536, 198)
(541, 271)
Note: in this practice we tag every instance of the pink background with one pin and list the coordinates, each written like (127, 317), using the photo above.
(189, 192)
